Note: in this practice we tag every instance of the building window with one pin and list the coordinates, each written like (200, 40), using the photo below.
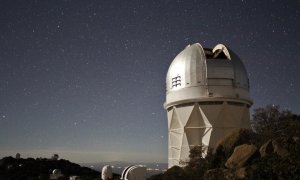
(176, 81)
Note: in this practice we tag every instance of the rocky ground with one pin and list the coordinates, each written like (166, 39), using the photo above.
(241, 155)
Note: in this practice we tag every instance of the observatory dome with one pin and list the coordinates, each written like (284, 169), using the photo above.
(204, 74)
(207, 97)
(106, 172)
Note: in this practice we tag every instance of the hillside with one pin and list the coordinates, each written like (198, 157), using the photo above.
(41, 168)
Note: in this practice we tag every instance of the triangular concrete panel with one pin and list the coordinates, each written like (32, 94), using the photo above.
(223, 117)
(184, 140)
(178, 131)
(207, 131)
(206, 136)
(175, 152)
(246, 118)
(212, 112)
(184, 153)
(236, 112)
(170, 162)
(170, 114)
(195, 120)
(175, 162)
(194, 135)
(175, 121)
(232, 115)
(175, 138)
(205, 120)
(217, 133)
(184, 113)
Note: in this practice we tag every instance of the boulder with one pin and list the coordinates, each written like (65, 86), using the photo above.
(273, 146)
(279, 150)
(237, 137)
(266, 149)
(241, 173)
(240, 156)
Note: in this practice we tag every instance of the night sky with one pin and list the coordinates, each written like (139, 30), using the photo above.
(86, 79)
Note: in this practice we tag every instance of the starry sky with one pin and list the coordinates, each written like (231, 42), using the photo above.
(86, 79)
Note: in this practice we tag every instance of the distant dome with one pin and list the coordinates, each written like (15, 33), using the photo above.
(106, 172)
(134, 172)
(56, 172)
(204, 73)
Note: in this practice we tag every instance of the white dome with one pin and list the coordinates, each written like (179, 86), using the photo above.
(56, 172)
(106, 172)
(135, 172)
(203, 74)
